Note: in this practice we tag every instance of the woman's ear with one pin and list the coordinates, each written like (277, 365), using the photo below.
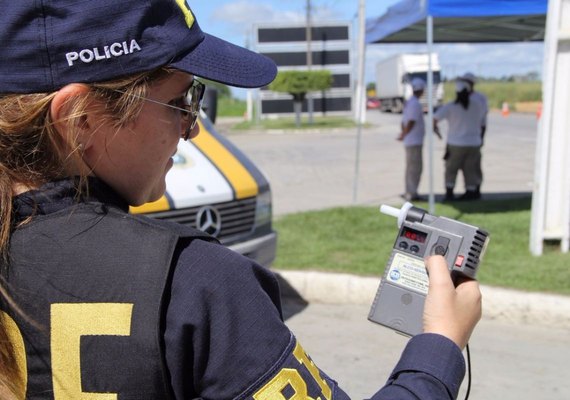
(63, 111)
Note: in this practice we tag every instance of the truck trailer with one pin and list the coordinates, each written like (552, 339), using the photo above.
(394, 76)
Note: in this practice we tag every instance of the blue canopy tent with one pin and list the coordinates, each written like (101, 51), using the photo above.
(456, 21)
(460, 21)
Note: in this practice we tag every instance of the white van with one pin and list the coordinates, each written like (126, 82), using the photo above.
(214, 187)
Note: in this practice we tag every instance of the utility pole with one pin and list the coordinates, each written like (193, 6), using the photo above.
(309, 36)
(360, 102)
(249, 93)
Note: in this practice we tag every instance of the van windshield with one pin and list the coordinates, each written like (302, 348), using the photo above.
(423, 75)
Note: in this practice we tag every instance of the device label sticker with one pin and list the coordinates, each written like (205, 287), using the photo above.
(408, 272)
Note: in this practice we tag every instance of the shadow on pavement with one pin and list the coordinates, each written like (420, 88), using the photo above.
(490, 202)
(291, 300)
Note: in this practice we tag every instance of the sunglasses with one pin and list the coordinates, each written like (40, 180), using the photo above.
(189, 105)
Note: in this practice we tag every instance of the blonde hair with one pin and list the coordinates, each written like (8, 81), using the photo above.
(33, 153)
(9, 377)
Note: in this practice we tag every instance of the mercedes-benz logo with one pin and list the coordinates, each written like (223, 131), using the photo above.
(208, 219)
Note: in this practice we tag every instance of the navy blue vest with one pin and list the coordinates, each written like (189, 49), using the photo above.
(92, 282)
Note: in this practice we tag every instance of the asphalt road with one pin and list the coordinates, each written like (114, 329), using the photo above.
(510, 361)
(317, 170)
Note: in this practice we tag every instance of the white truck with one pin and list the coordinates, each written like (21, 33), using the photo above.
(394, 76)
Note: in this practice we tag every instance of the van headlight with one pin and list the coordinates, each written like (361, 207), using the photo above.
(263, 210)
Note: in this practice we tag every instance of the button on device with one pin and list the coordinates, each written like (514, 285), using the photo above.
(439, 250)
(414, 249)
(440, 247)
(403, 245)
(459, 261)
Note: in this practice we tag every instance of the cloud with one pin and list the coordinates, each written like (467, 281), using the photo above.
(241, 14)
(493, 60)
(488, 60)
(326, 13)
(245, 12)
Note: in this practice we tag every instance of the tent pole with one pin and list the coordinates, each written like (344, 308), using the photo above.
(429, 27)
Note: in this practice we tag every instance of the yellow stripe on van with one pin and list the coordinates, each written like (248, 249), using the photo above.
(155, 206)
(238, 176)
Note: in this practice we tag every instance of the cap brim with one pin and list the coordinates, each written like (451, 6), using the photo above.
(224, 62)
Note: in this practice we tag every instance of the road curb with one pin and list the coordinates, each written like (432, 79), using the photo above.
(498, 303)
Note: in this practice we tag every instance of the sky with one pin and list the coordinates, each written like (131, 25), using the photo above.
(232, 20)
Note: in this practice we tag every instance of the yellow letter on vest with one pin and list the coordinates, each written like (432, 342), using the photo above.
(274, 388)
(68, 323)
(302, 357)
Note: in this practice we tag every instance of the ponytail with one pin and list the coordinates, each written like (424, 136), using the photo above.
(5, 214)
(11, 383)
(13, 380)
(462, 98)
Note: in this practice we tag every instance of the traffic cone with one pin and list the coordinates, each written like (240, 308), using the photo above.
(505, 109)
(539, 111)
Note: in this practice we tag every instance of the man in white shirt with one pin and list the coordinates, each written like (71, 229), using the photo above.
(471, 79)
(465, 120)
(413, 131)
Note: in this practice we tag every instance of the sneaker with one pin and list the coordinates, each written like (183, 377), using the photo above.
(449, 195)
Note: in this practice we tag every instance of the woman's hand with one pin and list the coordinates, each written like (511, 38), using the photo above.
(450, 311)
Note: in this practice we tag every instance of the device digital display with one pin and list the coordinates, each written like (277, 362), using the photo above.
(414, 235)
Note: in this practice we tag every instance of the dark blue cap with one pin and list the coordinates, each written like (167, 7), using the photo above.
(46, 44)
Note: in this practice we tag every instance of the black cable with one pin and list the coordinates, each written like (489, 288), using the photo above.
(468, 371)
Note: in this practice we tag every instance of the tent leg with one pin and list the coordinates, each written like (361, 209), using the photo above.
(431, 198)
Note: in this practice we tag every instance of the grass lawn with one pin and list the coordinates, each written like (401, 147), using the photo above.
(230, 107)
(289, 123)
(498, 92)
(358, 240)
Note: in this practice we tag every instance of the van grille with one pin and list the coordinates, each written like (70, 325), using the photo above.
(236, 217)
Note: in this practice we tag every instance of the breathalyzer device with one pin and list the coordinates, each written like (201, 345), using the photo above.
(399, 301)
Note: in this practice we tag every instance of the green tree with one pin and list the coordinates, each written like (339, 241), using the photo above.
(298, 84)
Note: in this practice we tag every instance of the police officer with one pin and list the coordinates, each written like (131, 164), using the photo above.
(95, 97)
(412, 135)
